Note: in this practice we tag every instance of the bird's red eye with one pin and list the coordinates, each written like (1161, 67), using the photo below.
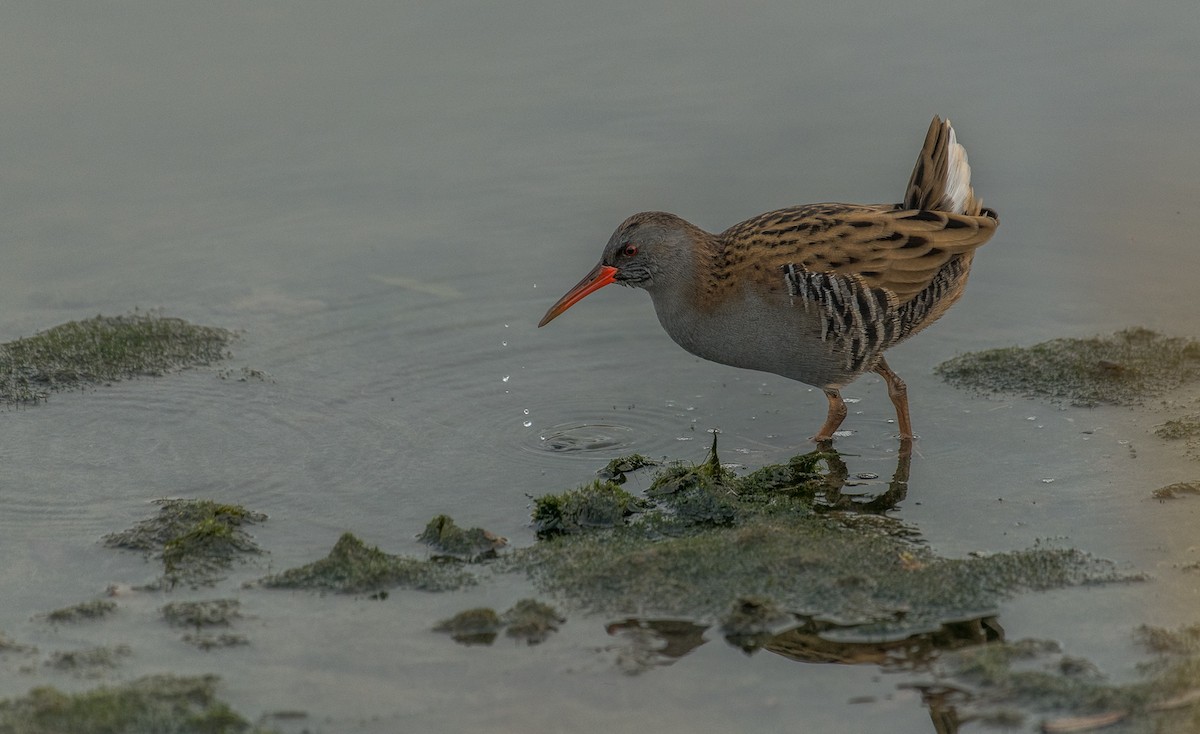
(630, 250)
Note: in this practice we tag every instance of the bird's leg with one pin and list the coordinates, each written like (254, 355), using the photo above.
(898, 392)
(837, 414)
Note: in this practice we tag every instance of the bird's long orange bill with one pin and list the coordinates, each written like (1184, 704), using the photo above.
(600, 276)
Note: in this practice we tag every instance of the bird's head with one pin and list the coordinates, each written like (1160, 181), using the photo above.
(651, 250)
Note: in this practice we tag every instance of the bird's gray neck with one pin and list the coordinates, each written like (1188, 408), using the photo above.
(681, 276)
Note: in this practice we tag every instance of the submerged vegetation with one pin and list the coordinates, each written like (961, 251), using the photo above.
(104, 349)
(704, 541)
(478, 626)
(1185, 429)
(1122, 369)
(197, 540)
(207, 613)
(89, 662)
(783, 560)
(999, 682)
(1176, 490)
(201, 617)
(531, 620)
(157, 703)
(83, 611)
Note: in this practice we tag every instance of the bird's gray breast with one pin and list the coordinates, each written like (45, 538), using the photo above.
(771, 332)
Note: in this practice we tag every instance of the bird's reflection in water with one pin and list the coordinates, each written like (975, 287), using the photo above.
(646, 643)
(839, 494)
(649, 643)
(810, 642)
(655, 642)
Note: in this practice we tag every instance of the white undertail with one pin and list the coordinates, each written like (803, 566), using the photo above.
(958, 176)
(941, 180)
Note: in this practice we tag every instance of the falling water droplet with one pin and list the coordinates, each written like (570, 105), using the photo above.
(505, 378)
(527, 424)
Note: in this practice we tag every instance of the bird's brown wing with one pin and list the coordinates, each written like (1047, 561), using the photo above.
(898, 250)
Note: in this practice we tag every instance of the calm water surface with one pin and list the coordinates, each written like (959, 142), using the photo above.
(384, 199)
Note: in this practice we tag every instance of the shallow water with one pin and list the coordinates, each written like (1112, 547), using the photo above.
(384, 200)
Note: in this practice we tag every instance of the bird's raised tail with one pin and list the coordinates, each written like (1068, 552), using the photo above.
(941, 180)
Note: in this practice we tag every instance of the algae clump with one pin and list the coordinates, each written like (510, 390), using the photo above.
(9, 645)
(703, 494)
(532, 621)
(529, 620)
(163, 704)
(1186, 429)
(616, 469)
(104, 349)
(89, 661)
(88, 610)
(213, 642)
(863, 577)
(1176, 490)
(1182, 641)
(197, 540)
(473, 544)
(353, 567)
(1123, 369)
(705, 538)
(601, 504)
(477, 626)
(208, 613)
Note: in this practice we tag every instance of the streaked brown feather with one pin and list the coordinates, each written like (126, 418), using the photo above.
(899, 248)
(883, 245)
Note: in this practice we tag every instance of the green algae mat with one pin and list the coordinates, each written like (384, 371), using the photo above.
(157, 704)
(104, 349)
(999, 684)
(197, 541)
(1127, 368)
(703, 540)
(1121, 369)
(353, 567)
